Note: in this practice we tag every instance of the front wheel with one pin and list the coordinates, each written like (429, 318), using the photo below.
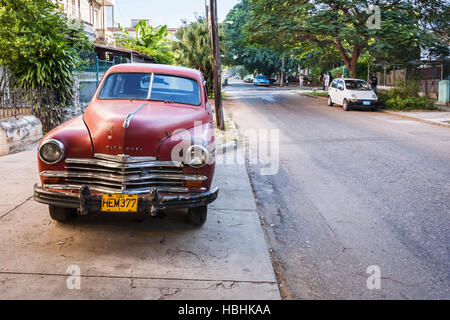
(330, 103)
(345, 105)
(61, 214)
(197, 216)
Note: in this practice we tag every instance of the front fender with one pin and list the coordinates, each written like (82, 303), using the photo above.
(173, 148)
(76, 139)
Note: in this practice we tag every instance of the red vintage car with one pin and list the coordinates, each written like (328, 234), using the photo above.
(145, 143)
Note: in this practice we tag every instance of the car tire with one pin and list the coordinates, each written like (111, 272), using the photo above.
(345, 105)
(375, 109)
(61, 214)
(197, 215)
(330, 103)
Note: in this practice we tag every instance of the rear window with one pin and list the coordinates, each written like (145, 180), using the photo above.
(139, 86)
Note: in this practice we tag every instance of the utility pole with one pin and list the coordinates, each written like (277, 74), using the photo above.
(207, 12)
(217, 72)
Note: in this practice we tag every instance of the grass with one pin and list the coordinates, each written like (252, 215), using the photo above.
(318, 93)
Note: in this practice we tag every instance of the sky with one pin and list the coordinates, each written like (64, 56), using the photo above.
(169, 12)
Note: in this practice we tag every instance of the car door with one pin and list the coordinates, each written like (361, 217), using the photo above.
(340, 92)
(332, 91)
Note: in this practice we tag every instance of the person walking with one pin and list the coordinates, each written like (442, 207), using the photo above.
(301, 80)
(374, 82)
(327, 80)
(323, 81)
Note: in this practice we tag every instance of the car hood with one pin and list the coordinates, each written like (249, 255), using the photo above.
(150, 123)
(361, 94)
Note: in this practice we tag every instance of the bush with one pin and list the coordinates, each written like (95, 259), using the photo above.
(39, 46)
(405, 97)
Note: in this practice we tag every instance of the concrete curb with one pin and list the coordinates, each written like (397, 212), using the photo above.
(223, 148)
(404, 116)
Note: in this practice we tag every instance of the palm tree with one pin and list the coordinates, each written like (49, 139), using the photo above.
(149, 40)
(193, 49)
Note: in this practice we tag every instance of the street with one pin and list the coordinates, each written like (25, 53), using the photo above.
(354, 189)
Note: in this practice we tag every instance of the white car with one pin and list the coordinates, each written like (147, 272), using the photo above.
(352, 94)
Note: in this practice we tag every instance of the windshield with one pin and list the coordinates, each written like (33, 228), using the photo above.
(356, 85)
(261, 77)
(139, 86)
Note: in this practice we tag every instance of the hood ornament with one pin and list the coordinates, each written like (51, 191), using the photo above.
(126, 123)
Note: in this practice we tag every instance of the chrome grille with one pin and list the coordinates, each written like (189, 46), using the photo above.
(124, 174)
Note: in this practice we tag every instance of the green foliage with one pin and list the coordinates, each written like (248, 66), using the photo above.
(39, 46)
(49, 114)
(194, 49)
(342, 25)
(237, 70)
(149, 40)
(405, 97)
(261, 58)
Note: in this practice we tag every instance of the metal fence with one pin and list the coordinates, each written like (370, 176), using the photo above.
(41, 103)
(93, 68)
(14, 103)
(91, 71)
(427, 77)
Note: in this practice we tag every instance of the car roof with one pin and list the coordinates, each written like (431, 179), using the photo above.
(351, 79)
(156, 68)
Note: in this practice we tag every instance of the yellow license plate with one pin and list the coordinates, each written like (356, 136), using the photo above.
(119, 202)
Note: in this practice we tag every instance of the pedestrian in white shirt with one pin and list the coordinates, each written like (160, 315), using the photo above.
(327, 80)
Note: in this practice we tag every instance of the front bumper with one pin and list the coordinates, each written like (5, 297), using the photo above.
(360, 103)
(85, 202)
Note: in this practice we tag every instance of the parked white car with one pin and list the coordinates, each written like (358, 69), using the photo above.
(352, 94)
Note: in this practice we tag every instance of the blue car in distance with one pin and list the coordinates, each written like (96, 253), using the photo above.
(261, 80)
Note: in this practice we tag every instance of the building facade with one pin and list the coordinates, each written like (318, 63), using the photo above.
(95, 15)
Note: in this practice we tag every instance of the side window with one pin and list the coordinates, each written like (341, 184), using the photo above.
(340, 85)
(334, 84)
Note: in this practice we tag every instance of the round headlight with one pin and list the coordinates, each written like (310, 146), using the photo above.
(51, 151)
(196, 156)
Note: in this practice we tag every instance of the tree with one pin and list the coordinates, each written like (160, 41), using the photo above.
(149, 40)
(341, 24)
(193, 49)
(39, 46)
(238, 49)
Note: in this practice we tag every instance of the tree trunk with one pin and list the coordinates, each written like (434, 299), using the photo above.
(282, 73)
(352, 68)
(350, 62)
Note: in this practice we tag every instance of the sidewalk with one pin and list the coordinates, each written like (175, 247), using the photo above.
(440, 118)
(121, 258)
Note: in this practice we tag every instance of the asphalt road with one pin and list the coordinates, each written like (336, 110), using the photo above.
(353, 190)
